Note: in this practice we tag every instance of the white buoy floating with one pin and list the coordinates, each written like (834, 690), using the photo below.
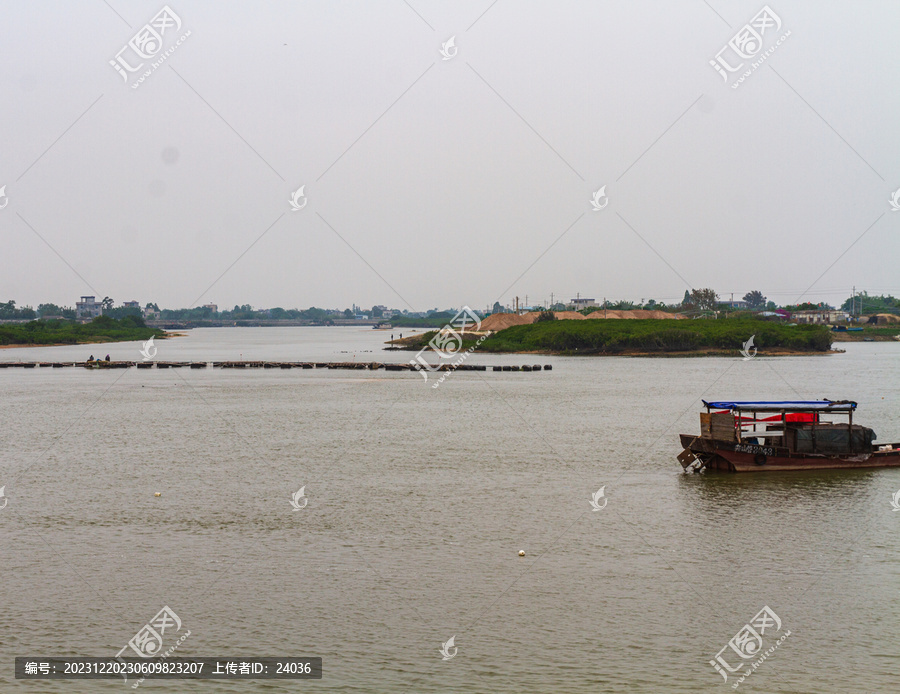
(157, 493)
(521, 552)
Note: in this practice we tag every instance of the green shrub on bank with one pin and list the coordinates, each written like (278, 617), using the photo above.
(58, 332)
(656, 336)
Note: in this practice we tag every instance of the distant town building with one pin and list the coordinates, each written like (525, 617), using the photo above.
(87, 308)
(577, 304)
(212, 307)
(132, 304)
(736, 303)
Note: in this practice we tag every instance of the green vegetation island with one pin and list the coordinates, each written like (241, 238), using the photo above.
(648, 338)
(68, 332)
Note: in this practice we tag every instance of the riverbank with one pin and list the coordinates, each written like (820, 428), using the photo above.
(59, 333)
(879, 333)
(684, 354)
(165, 336)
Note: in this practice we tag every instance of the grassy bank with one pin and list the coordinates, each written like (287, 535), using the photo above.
(657, 337)
(58, 332)
(879, 333)
(654, 337)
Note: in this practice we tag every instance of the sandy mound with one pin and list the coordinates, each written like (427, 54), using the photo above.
(635, 315)
(568, 315)
(501, 321)
(884, 319)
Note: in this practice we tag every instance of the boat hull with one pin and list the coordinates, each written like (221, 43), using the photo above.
(732, 456)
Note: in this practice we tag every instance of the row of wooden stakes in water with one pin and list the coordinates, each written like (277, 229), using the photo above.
(371, 365)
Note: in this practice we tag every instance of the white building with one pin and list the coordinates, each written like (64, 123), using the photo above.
(87, 308)
(822, 317)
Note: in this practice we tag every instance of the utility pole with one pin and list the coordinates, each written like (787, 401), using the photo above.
(517, 306)
(526, 301)
(551, 299)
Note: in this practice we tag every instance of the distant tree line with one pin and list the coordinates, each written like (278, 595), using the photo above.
(8, 311)
(864, 303)
(696, 301)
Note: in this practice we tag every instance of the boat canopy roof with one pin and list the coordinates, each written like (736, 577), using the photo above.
(778, 406)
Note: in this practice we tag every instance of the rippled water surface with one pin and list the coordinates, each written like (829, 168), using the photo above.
(419, 500)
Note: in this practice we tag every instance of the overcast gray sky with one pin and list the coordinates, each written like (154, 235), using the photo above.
(439, 182)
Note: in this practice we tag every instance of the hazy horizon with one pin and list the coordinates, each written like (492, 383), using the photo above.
(442, 182)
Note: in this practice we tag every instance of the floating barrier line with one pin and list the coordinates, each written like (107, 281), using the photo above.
(358, 365)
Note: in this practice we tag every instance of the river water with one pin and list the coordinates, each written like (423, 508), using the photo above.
(418, 501)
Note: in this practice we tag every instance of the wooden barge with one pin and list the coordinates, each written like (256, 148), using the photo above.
(751, 436)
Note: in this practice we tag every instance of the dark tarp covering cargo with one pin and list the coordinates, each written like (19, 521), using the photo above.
(830, 439)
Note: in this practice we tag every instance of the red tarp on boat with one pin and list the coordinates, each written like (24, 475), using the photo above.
(788, 417)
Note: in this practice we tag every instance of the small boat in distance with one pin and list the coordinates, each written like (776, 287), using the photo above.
(750, 436)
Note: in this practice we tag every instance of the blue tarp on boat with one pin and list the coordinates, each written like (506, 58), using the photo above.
(781, 405)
